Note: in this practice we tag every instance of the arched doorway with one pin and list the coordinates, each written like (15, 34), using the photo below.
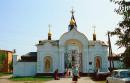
(47, 64)
(73, 54)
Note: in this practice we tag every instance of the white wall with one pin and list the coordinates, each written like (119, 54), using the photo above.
(24, 68)
(98, 50)
(47, 50)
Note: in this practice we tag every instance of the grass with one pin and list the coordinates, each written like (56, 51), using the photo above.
(4, 74)
(41, 78)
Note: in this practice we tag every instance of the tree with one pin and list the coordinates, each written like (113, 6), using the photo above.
(123, 29)
(3, 56)
(126, 57)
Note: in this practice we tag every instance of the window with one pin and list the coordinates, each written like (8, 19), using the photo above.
(90, 63)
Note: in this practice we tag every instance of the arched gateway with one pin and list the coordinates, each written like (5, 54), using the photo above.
(73, 54)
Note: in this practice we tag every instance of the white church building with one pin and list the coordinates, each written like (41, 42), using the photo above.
(73, 48)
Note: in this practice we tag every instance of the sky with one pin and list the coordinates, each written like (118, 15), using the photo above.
(24, 22)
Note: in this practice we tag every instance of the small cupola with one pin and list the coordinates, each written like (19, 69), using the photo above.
(94, 34)
(49, 33)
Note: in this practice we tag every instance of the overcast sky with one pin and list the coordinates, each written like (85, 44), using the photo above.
(24, 22)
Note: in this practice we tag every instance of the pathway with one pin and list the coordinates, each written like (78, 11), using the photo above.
(69, 80)
(5, 79)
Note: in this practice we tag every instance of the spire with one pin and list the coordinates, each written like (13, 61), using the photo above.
(49, 33)
(94, 34)
(72, 21)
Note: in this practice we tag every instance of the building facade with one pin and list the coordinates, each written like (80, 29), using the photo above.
(73, 48)
(6, 60)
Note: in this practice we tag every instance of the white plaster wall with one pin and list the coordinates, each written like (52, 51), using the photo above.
(16, 58)
(91, 56)
(24, 69)
(47, 50)
(98, 50)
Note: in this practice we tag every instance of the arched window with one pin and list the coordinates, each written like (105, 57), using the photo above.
(47, 64)
(98, 61)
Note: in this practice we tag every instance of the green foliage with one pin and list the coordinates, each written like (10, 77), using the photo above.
(3, 56)
(126, 57)
(123, 29)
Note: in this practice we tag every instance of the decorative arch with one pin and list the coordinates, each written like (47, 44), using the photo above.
(98, 62)
(48, 64)
(74, 42)
(75, 35)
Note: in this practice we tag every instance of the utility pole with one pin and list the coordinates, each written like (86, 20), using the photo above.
(110, 53)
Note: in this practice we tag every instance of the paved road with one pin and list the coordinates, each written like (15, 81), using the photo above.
(5, 79)
(69, 80)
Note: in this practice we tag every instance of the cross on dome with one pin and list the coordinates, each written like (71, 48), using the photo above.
(72, 21)
(94, 28)
(49, 28)
(72, 11)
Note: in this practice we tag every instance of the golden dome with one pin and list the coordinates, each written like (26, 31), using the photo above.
(72, 22)
(49, 33)
(94, 33)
